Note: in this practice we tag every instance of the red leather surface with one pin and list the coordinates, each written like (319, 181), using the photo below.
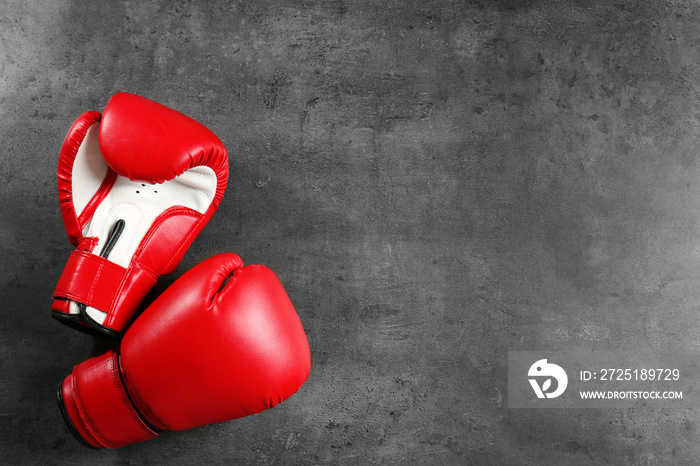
(73, 412)
(203, 353)
(144, 140)
(90, 279)
(100, 195)
(61, 305)
(168, 239)
(98, 406)
(136, 284)
(69, 149)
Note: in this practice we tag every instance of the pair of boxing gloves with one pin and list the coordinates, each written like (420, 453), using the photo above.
(136, 185)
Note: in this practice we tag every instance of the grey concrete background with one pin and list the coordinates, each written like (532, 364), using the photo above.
(435, 182)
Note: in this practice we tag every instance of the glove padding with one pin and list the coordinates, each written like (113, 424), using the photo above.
(136, 186)
(222, 342)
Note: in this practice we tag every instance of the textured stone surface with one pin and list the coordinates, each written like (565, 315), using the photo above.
(435, 182)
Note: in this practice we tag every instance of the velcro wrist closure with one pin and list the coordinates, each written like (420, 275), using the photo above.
(90, 279)
(99, 406)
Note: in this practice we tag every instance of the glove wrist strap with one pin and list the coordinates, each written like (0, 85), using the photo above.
(95, 282)
(97, 407)
(90, 279)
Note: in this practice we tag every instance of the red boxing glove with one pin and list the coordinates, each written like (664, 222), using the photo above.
(136, 186)
(207, 350)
